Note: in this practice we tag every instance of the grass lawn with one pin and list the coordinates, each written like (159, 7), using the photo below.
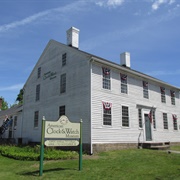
(124, 164)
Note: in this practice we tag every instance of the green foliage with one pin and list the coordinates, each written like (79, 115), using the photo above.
(4, 104)
(20, 96)
(33, 153)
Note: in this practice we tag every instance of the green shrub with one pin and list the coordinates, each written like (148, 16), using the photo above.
(33, 153)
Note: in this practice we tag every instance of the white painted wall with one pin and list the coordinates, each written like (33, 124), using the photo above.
(116, 133)
(77, 96)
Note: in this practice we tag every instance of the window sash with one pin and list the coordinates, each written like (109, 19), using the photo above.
(107, 117)
(15, 121)
(38, 92)
(165, 121)
(64, 59)
(124, 88)
(39, 72)
(145, 92)
(36, 119)
(62, 110)
(175, 124)
(173, 100)
(106, 81)
(154, 119)
(125, 116)
(140, 118)
(63, 83)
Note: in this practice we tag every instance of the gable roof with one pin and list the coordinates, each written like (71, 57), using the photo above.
(11, 111)
(109, 63)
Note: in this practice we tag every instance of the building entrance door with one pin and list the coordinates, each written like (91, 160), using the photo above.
(148, 128)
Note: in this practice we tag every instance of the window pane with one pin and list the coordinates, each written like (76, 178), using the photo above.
(61, 110)
(125, 116)
(124, 88)
(38, 92)
(63, 83)
(36, 117)
(165, 121)
(140, 118)
(106, 116)
(106, 78)
(64, 59)
(39, 72)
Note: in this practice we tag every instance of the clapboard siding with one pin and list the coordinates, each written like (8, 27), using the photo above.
(76, 98)
(116, 133)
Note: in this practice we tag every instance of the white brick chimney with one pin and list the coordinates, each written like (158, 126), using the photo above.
(73, 37)
(125, 59)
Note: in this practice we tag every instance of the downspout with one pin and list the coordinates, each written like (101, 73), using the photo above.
(91, 150)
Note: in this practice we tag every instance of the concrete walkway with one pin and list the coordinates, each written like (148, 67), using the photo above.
(172, 151)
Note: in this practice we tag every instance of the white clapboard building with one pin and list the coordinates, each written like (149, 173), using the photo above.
(119, 106)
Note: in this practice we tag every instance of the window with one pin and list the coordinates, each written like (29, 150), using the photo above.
(163, 96)
(145, 90)
(140, 118)
(107, 113)
(106, 78)
(15, 122)
(124, 83)
(154, 119)
(36, 117)
(175, 122)
(172, 97)
(125, 116)
(39, 72)
(64, 59)
(165, 121)
(63, 83)
(38, 92)
(62, 111)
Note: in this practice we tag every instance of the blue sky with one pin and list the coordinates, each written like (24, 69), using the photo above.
(148, 29)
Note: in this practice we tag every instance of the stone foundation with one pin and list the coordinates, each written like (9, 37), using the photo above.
(115, 146)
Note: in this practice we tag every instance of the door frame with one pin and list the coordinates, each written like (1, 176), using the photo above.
(145, 112)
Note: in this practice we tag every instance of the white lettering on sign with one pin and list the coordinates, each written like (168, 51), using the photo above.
(61, 143)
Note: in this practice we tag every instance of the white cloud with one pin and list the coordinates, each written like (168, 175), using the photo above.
(158, 3)
(12, 88)
(110, 3)
(73, 7)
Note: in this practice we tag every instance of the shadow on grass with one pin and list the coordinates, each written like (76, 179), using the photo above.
(36, 173)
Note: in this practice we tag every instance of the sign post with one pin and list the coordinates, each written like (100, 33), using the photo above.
(42, 146)
(80, 147)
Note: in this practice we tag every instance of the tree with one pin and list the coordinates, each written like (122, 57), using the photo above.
(20, 96)
(4, 104)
